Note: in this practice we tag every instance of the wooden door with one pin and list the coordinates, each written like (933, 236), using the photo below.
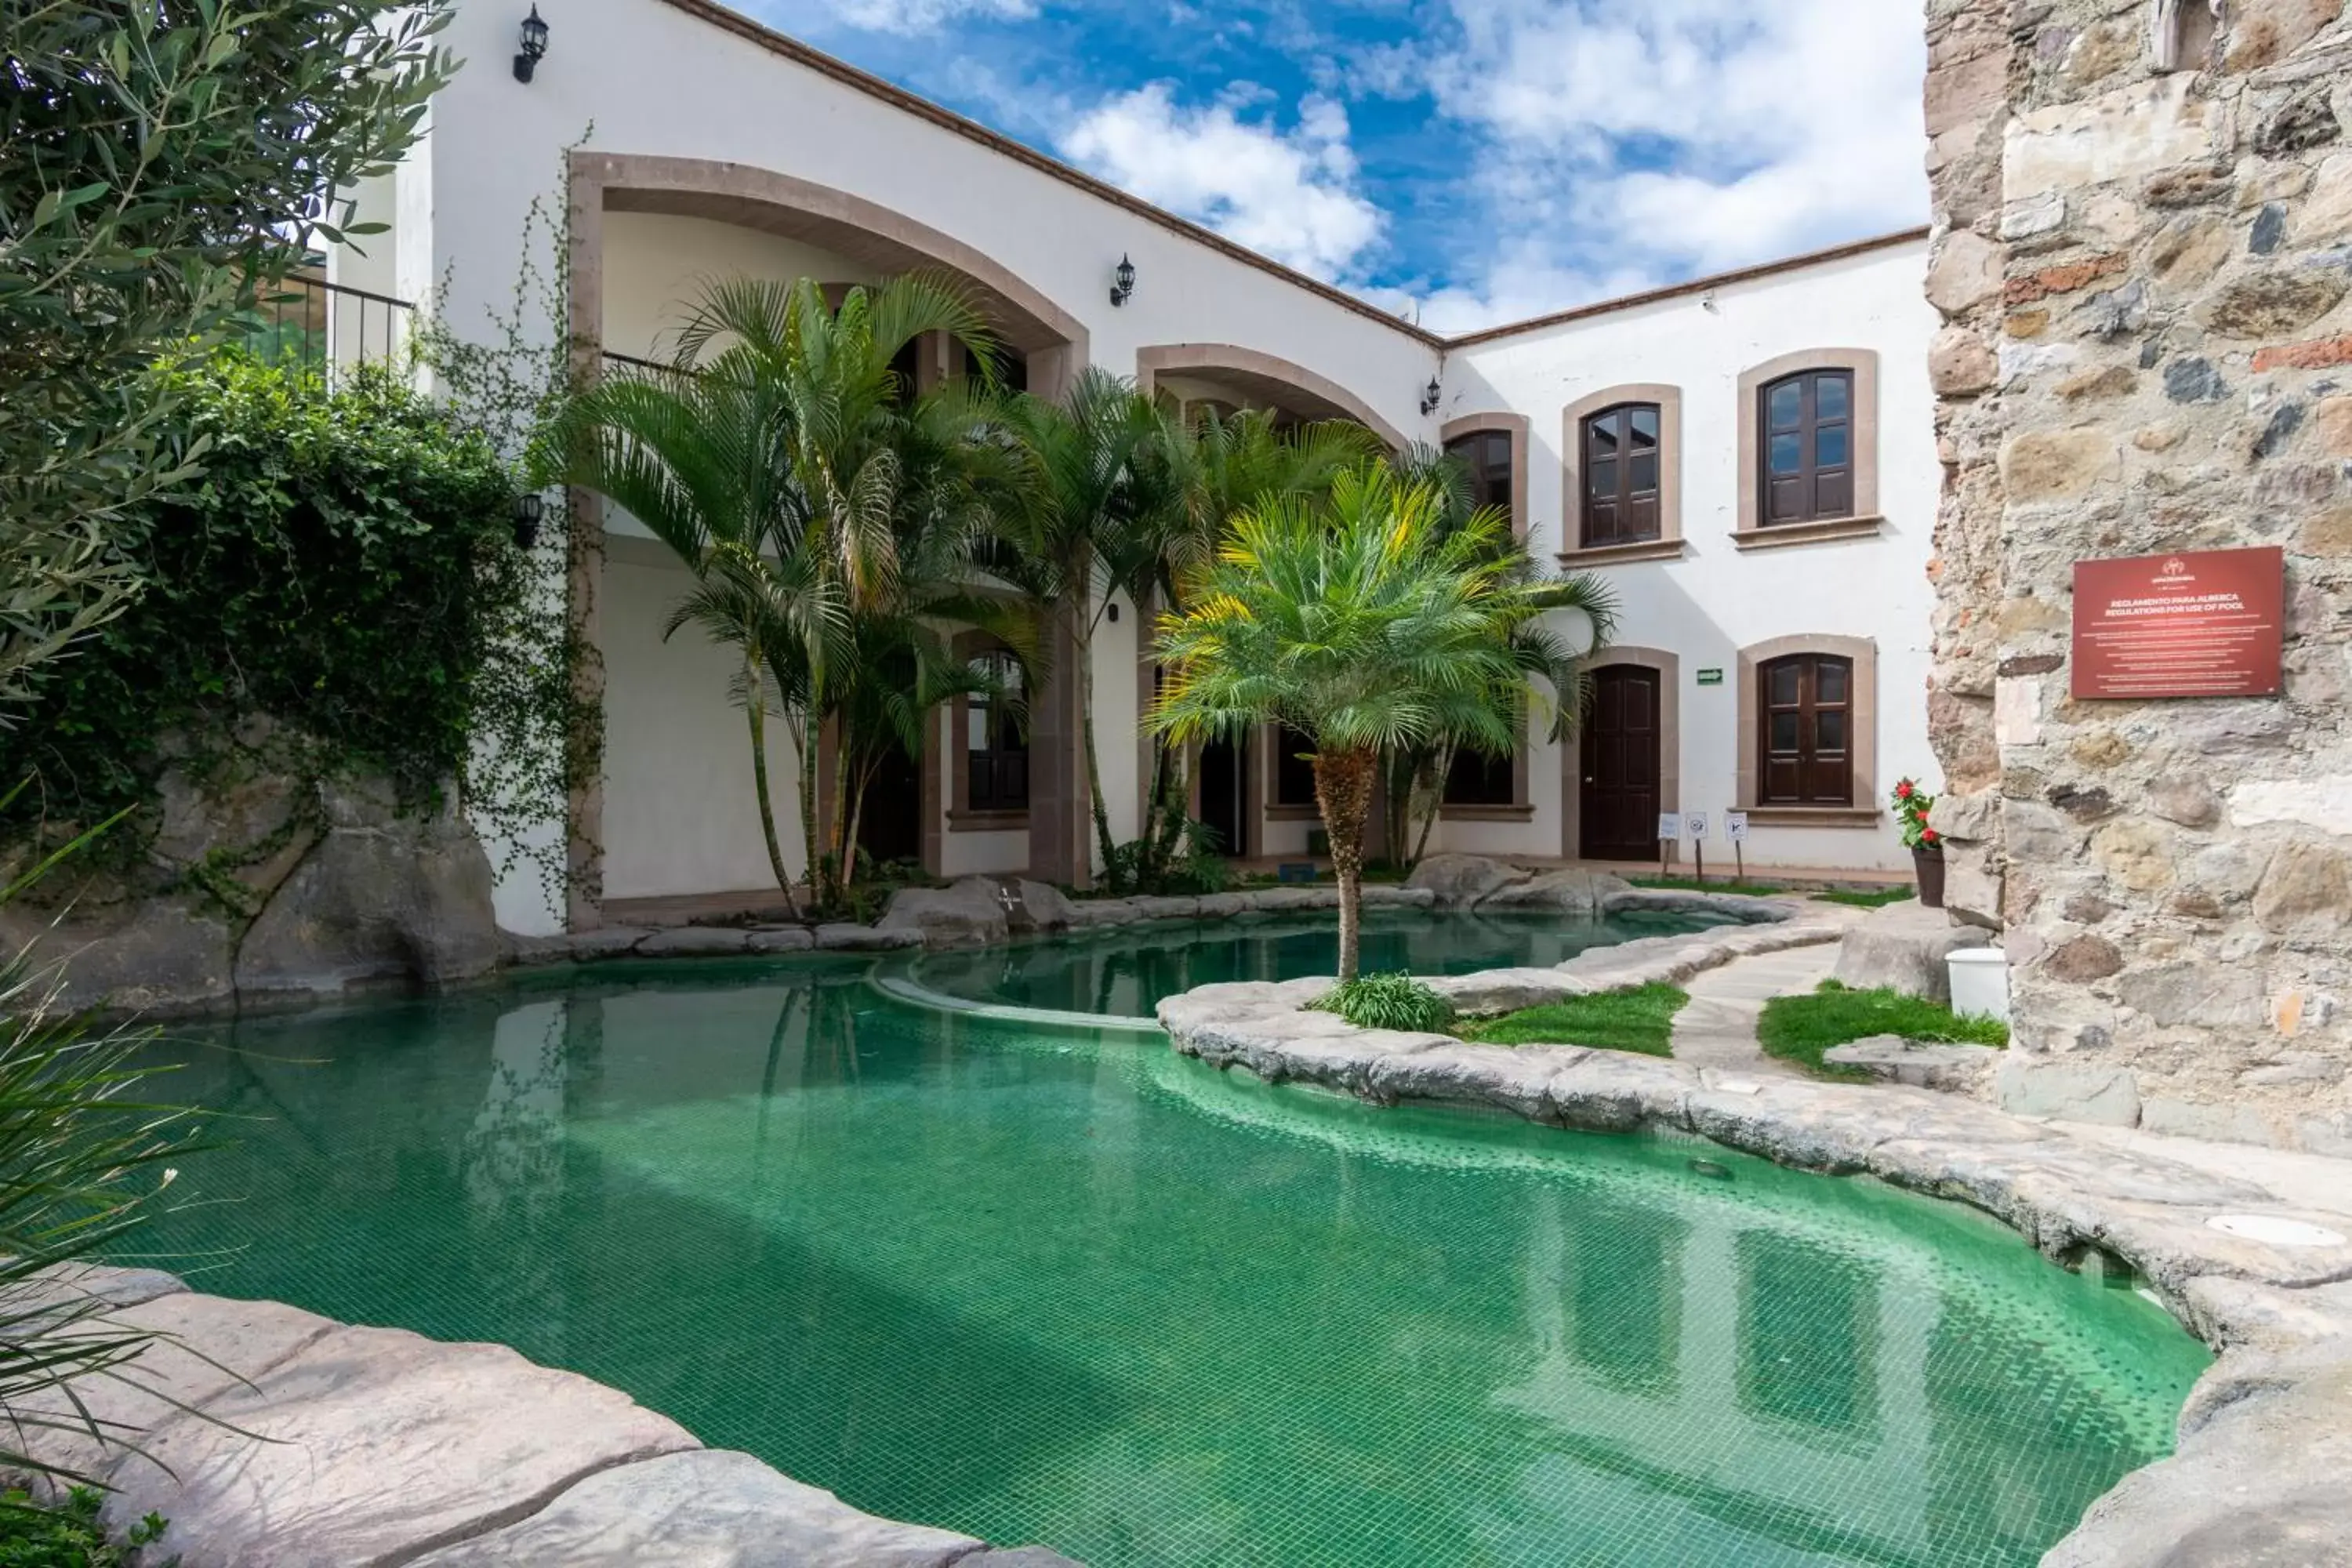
(1622, 745)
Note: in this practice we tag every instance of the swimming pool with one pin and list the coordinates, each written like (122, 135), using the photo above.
(1066, 1287)
(1124, 972)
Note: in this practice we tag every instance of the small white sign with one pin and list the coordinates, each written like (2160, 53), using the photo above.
(1734, 827)
(1695, 826)
(1670, 828)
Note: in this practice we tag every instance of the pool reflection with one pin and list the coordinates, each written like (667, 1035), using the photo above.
(1051, 1286)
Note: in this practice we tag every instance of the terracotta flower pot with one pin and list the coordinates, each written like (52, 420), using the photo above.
(1927, 865)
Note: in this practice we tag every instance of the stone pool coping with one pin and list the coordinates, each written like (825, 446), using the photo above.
(331, 1442)
(2265, 1438)
(981, 912)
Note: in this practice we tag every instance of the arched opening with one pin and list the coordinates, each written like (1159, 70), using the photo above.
(644, 230)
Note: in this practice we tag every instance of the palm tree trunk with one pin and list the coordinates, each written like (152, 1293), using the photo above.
(843, 872)
(809, 766)
(758, 709)
(1343, 788)
(1087, 733)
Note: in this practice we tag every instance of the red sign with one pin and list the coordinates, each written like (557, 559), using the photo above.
(2201, 623)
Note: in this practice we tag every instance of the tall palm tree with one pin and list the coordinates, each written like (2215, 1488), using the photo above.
(702, 461)
(1220, 466)
(1365, 624)
(781, 459)
(1094, 516)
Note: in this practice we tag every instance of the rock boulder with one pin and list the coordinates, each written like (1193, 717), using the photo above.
(1903, 947)
(1464, 881)
(382, 899)
(974, 912)
(1569, 892)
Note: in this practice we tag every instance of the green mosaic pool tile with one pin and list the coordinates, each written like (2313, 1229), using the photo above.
(1126, 972)
(1061, 1287)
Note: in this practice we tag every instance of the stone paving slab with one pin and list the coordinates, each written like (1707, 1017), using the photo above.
(707, 1509)
(211, 1345)
(370, 1446)
(272, 1437)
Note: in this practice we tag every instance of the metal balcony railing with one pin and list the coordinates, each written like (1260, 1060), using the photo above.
(329, 327)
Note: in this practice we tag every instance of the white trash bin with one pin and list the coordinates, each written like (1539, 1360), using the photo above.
(1979, 982)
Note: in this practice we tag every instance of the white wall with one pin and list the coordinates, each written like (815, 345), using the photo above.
(681, 814)
(1717, 599)
(655, 266)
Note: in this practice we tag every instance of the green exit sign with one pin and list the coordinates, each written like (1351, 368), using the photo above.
(1710, 678)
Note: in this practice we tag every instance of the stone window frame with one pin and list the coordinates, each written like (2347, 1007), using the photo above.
(1669, 666)
(957, 714)
(1751, 532)
(1668, 546)
(1518, 427)
(1862, 654)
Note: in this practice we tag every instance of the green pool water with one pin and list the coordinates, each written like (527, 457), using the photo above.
(1125, 972)
(1072, 1289)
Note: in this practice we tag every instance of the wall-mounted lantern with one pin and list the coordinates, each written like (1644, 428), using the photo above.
(1122, 285)
(526, 520)
(534, 44)
(1429, 397)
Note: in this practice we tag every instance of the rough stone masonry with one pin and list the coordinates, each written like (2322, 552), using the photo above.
(2145, 279)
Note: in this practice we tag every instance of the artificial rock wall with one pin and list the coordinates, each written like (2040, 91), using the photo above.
(2144, 267)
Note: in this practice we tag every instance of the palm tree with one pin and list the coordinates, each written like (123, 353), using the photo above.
(1222, 466)
(1366, 624)
(783, 458)
(1094, 516)
(701, 460)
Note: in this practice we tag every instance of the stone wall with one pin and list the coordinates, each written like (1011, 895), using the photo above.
(2145, 274)
(255, 889)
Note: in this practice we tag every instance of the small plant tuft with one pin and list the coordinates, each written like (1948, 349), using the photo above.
(70, 1534)
(1388, 1002)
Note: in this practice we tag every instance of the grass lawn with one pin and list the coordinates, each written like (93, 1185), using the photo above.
(1871, 900)
(1799, 1028)
(1692, 885)
(1640, 1019)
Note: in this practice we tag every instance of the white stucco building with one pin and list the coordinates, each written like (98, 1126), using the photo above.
(1764, 518)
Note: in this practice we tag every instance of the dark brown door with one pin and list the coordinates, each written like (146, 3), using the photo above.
(890, 819)
(1618, 811)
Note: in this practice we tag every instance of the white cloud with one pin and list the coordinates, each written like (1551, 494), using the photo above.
(915, 17)
(1623, 147)
(1290, 195)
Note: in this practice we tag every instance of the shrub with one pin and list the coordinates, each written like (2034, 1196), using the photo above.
(345, 569)
(69, 1535)
(1388, 1002)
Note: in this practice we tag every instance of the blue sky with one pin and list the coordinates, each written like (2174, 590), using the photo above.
(1471, 161)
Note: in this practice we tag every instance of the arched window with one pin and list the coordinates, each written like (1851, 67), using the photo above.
(996, 753)
(1804, 739)
(1806, 423)
(1622, 468)
(1487, 455)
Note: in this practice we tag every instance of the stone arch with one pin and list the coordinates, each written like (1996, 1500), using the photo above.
(753, 198)
(1053, 341)
(1268, 375)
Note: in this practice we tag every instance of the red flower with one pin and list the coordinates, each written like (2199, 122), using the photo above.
(1929, 836)
(1903, 790)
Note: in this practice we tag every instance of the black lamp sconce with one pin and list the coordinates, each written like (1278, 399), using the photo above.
(1122, 286)
(1429, 397)
(1111, 610)
(526, 520)
(534, 44)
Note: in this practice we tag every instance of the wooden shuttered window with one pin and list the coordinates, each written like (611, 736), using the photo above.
(1807, 428)
(1621, 462)
(1805, 742)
